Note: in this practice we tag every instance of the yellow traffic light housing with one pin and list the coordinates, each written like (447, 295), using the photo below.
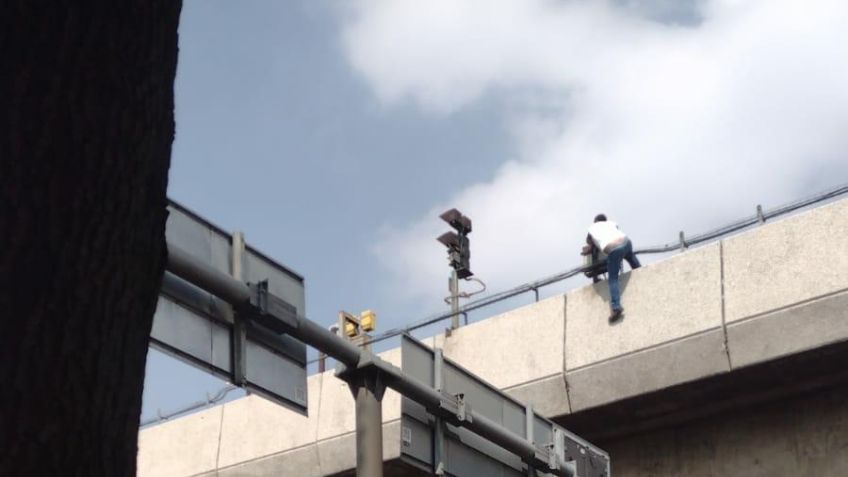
(349, 324)
(350, 329)
(368, 320)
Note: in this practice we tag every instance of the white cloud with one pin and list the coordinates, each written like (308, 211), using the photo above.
(663, 127)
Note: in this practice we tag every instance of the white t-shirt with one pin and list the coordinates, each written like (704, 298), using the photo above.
(604, 233)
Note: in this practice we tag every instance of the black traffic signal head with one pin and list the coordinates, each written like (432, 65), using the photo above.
(461, 259)
(450, 240)
(459, 250)
(461, 223)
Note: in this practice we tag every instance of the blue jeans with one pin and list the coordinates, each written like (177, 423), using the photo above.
(614, 258)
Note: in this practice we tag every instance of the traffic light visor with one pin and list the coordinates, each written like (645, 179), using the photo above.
(456, 220)
(449, 240)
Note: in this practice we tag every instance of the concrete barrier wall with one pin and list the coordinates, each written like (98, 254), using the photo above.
(777, 265)
(253, 426)
(490, 349)
(182, 447)
(671, 331)
(529, 368)
(778, 289)
(787, 285)
(663, 302)
(254, 433)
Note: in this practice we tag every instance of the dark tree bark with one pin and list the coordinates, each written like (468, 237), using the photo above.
(85, 144)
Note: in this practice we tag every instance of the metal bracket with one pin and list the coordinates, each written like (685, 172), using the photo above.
(559, 444)
(553, 464)
(529, 417)
(260, 296)
(268, 310)
(556, 449)
(438, 424)
(683, 245)
(370, 378)
(239, 351)
(463, 409)
(239, 343)
(761, 218)
(366, 373)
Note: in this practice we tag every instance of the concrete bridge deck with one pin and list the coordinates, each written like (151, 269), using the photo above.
(730, 361)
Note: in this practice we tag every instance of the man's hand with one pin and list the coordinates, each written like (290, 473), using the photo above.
(589, 247)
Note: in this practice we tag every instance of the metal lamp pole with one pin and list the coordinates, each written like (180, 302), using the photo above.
(453, 287)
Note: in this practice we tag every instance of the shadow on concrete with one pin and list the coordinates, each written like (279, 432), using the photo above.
(773, 380)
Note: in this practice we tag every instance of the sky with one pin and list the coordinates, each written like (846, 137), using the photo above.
(334, 132)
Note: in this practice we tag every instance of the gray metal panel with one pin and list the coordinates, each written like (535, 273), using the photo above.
(283, 285)
(473, 444)
(275, 374)
(182, 329)
(416, 441)
(542, 431)
(485, 401)
(464, 460)
(467, 454)
(417, 361)
(192, 236)
(197, 327)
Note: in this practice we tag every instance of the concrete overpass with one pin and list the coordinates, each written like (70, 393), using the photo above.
(731, 360)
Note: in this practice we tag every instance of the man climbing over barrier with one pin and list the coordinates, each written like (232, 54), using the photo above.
(604, 235)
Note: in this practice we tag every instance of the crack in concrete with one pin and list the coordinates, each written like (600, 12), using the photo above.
(723, 307)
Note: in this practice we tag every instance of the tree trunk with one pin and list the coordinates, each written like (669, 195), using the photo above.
(85, 145)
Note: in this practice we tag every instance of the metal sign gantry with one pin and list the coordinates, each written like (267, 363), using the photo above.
(369, 375)
(203, 330)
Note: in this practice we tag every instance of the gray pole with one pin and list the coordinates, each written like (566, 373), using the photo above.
(369, 428)
(454, 297)
(368, 391)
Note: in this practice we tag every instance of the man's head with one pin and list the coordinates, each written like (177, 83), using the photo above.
(600, 218)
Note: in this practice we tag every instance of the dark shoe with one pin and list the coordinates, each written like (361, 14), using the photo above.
(616, 315)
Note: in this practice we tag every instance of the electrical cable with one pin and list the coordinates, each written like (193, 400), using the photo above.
(210, 400)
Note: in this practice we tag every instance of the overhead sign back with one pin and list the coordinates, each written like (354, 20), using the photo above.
(200, 329)
(434, 446)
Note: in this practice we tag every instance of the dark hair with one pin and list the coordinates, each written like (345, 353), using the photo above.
(600, 218)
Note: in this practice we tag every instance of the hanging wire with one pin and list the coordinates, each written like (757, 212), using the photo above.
(210, 400)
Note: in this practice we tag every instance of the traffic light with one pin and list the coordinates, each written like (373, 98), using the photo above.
(368, 320)
(459, 250)
(353, 326)
(349, 324)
